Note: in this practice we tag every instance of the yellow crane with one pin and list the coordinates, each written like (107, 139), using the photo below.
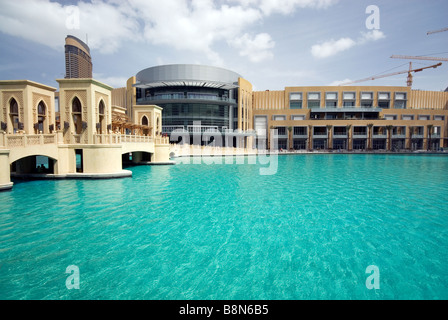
(409, 72)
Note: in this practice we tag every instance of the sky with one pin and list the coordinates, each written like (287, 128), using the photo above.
(272, 43)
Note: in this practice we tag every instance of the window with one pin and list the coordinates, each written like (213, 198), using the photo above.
(349, 99)
(300, 131)
(439, 118)
(279, 118)
(14, 114)
(302, 117)
(281, 131)
(423, 117)
(295, 100)
(408, 117)
(400, 100)
(390, 117)
(313, 100)
(331, 99)
(76, 113)
(145, 121)
(41, 111)
(367, 99)
(384, 100)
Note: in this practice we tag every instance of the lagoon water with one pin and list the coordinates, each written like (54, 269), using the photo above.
(226, 232)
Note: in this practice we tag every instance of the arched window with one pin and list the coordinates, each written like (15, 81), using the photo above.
(14, 114)
(101, 124)
(77, 116)
(41, 112)
(145, 121)
(76, 105)
(41, 109)
(101, 108)
(13, 107)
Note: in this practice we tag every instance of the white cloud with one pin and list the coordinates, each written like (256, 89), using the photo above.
(257, 49)
(116, 82)
(45, 22)
(332, 47)
(371, 36)
(338, 82)
(197, 26)
(269, 7)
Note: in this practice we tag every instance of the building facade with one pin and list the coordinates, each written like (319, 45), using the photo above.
(305, 118)
(82, 144)
(78, 62)
(355, 117)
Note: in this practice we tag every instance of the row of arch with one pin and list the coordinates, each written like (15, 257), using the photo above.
(14, 117)
(76, 110)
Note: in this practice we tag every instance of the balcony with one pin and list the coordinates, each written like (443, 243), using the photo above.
(177, 97)
(339, 135)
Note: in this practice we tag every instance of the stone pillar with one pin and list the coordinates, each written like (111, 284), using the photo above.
(5, 171)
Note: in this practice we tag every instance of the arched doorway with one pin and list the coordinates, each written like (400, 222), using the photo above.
(41, 117)
(102, 116)
(14, 115)
(77, 115)
(145, 123)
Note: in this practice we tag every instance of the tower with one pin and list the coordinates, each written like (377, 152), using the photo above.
(78, 62)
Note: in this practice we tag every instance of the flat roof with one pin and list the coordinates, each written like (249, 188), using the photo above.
(187, 75)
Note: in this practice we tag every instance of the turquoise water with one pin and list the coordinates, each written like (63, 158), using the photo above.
(226, 232)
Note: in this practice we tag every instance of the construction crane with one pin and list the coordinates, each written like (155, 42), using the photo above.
(418, 58)
(409, 72)
(436, 31)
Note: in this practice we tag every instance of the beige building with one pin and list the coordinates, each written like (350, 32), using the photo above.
(353, 117)
(82, 144)
(306, 118)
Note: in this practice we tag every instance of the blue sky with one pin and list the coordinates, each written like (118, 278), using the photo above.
(271, 43)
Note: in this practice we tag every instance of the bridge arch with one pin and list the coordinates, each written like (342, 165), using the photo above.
(33, 164)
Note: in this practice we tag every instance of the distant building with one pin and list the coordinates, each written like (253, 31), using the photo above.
(78, 62)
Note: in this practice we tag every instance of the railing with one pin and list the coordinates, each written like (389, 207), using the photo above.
(26, 140)
(189, 97)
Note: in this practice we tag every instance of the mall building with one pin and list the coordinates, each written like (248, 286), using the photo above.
(201, 99)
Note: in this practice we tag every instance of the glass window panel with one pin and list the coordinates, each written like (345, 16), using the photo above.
(295, 104)
(295, 96)
(384, 96)
(332, 96)
(313, 96)
(400, 96)
(367, 96)
(349, 95)
(313, 104)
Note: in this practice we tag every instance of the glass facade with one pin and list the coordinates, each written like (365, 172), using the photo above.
(183, 105)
